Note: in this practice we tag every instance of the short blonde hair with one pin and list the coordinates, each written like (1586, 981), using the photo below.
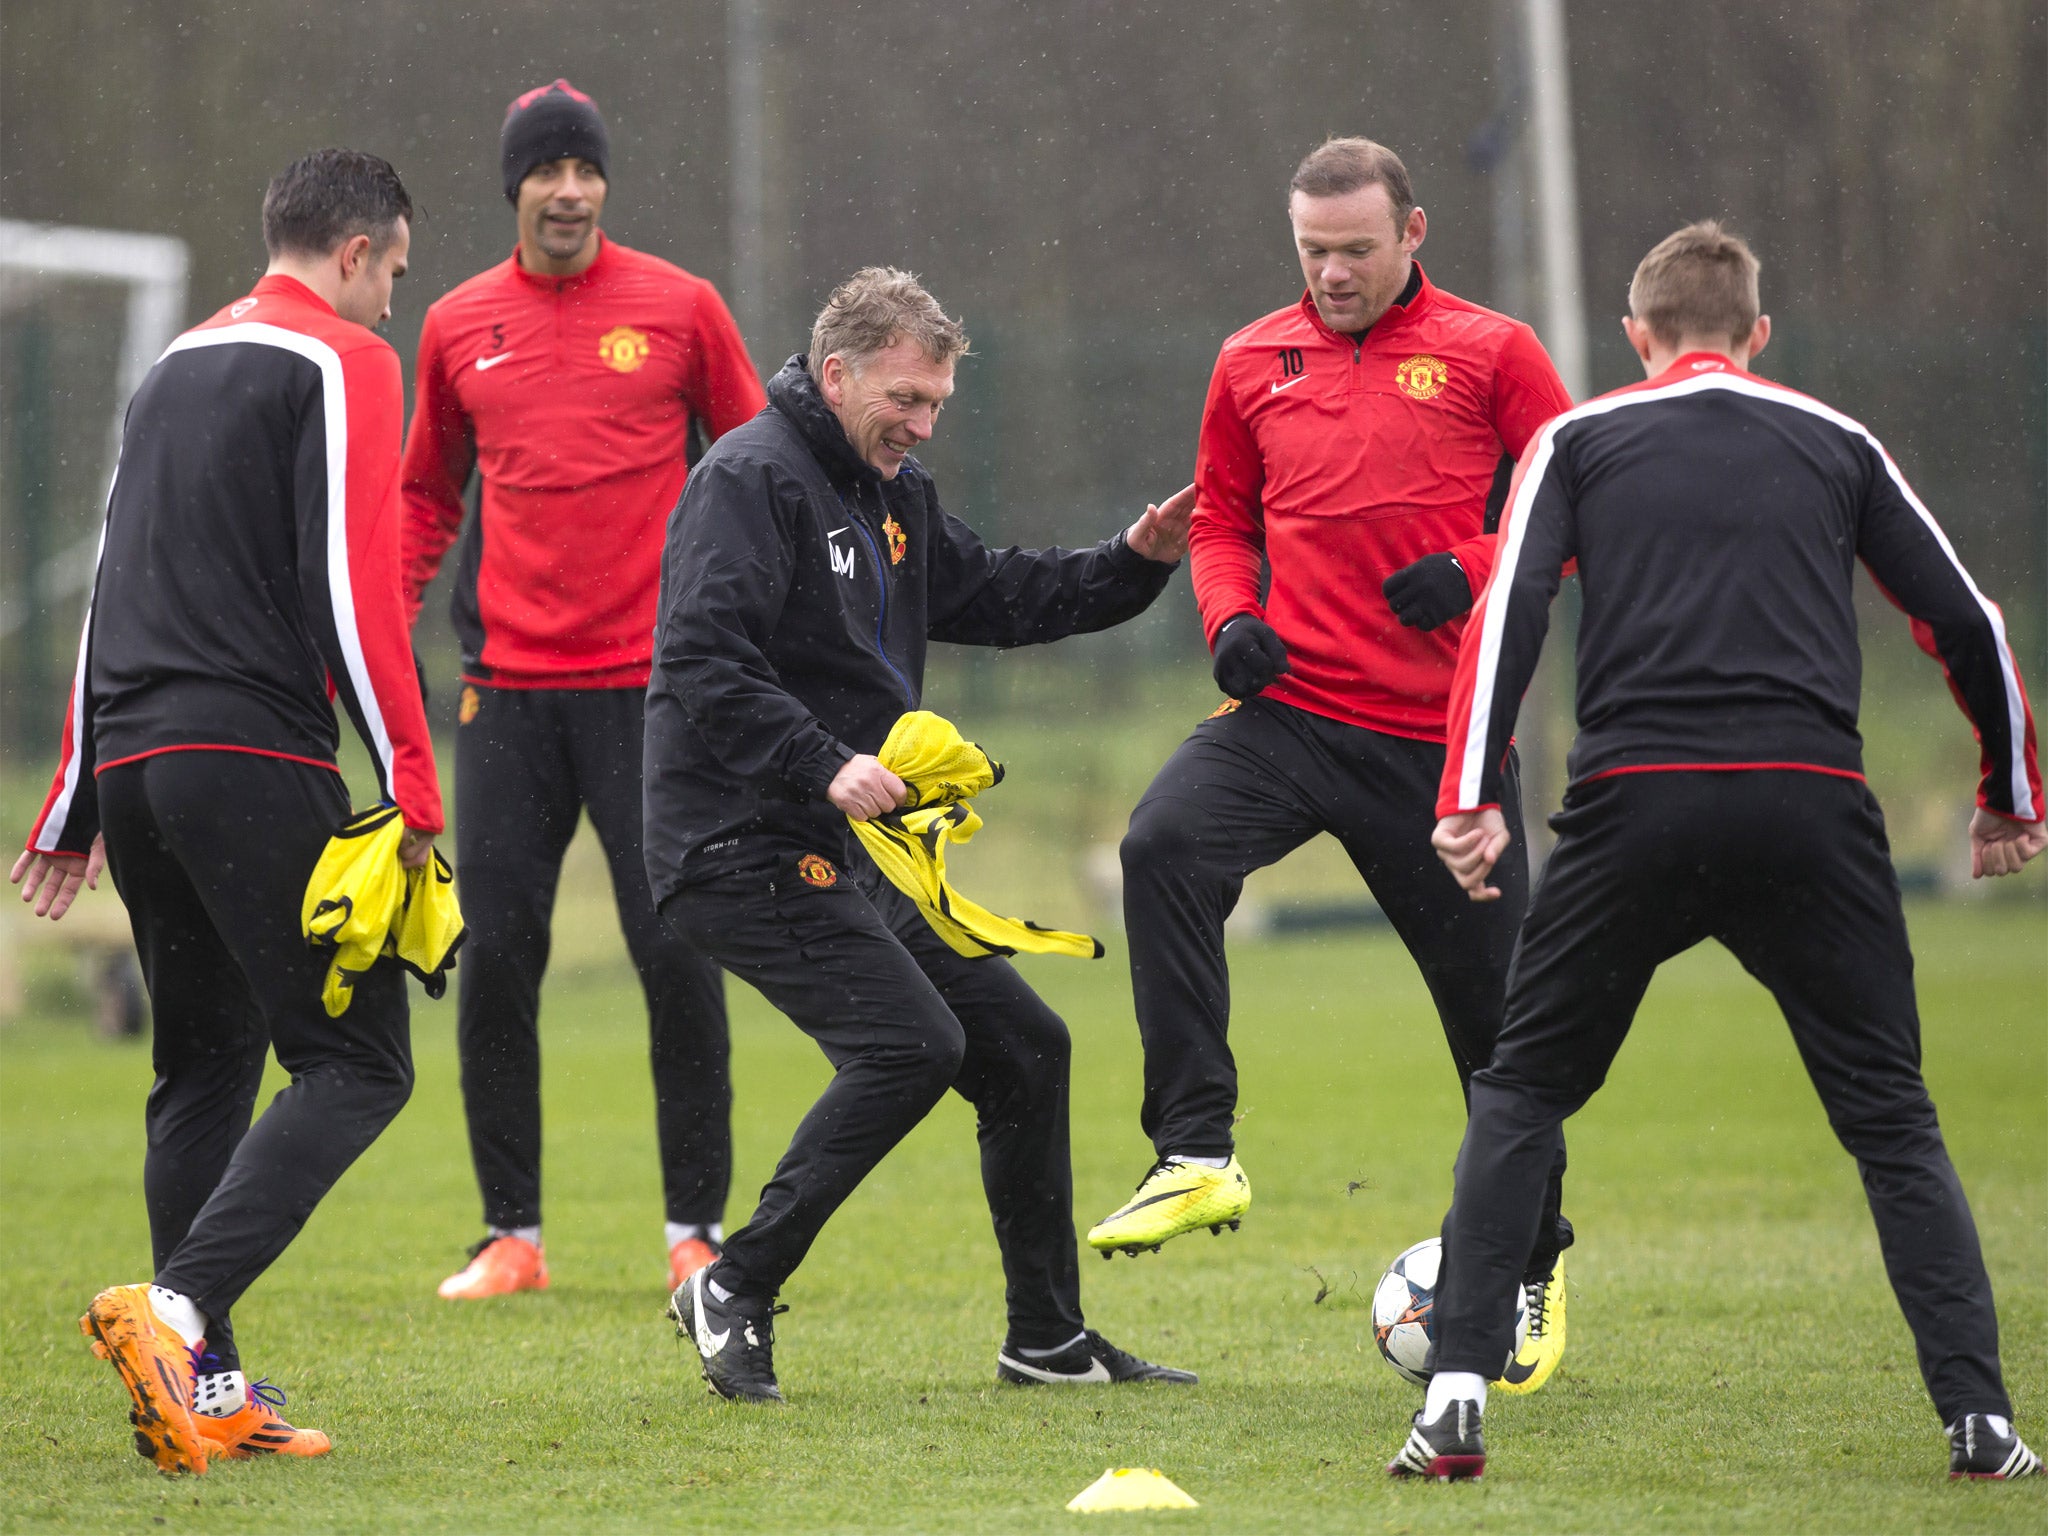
(1699, 281)
(874, 309)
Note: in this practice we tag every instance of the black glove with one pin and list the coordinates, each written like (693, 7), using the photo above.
(1248, 656)
(1430, 592)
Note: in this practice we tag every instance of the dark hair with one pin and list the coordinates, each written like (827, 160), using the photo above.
(329, 196)
(1699, 282)
(1337, 166)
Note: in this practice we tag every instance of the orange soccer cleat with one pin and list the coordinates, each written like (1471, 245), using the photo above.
(498, 1266)
(255, 1430)
(155, 1363)
(688, 1256)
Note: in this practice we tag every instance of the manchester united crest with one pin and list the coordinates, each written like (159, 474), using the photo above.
(816, 871)
(1422, 377)
(897, 544)
(472, 701)
(623, 348)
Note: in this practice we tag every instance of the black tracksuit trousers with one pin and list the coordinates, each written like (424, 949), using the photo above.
(527, 761)
(211, 852)
(1250, 786)
(902, 1018)
(1791, 871)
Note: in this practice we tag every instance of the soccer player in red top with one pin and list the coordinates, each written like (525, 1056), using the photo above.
(1350, 447)
(570, 377)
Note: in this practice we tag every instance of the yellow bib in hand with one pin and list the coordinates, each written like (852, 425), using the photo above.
(362, 904)
(943, 771)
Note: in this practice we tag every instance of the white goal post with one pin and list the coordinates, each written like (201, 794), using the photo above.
(155, 269)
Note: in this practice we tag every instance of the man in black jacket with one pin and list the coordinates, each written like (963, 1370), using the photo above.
(807, 565)
(1717, 792)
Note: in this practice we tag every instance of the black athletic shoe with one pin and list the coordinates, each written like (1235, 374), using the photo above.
(736, 1339)
(1985, 1448)
(1450, 1450)
(1090, 1360)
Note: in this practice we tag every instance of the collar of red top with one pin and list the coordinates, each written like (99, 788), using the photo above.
(279, 285)
(598, 263)
(1697, 362)
(1397, 313)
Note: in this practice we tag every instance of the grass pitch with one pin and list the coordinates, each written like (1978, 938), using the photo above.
(1736, 1361)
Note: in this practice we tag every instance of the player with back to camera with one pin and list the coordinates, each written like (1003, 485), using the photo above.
(1717, 792)
(198, 765)
(1356, 445)
(570, 375)
(808, 566)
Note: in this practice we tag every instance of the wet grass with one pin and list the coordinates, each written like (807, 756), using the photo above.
(1736, 1360)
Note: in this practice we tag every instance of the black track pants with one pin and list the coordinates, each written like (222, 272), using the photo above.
(211, 852)
(527, 761)
(902, 1018)
(1247, 788)
(1791, 871)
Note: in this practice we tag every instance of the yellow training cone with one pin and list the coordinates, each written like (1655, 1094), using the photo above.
(1130, 1488)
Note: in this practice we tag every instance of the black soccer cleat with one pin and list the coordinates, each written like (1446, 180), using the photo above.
(735, 1339)
(1984, 1447)
(1090, 1360)
(1449, 1450)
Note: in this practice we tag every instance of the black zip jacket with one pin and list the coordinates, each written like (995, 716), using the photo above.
(798, 592)
(1717, 519)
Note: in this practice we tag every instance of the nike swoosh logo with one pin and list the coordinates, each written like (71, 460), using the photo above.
(1096, 1372)
(484, 364)
(708, 1343)
(1139, 1205)
(1276, 388)
(833, 533)
(1514, 1373)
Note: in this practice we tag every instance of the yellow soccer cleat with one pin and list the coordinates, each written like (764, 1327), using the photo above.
(1176, 1197)
(1530, 1365)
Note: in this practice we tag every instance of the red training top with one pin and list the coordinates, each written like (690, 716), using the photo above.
(574, 396)
(1337, 462)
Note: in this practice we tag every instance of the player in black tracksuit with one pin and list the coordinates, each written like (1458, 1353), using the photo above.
(1717, 792)
(247, 587)
(800, 587)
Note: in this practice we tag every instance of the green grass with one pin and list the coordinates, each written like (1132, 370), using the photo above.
(1736, 1359)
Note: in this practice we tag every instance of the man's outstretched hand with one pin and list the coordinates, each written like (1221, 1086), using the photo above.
(1432, 591)
(1470, 843)
(1999, 846)
(864, 789)
(53, 883)
(1162, 533)
(1249, 655)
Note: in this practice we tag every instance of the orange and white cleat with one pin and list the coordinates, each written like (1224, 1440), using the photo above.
(688, 1256)
(498, 1266)
(255, 1430)
(155, 1362)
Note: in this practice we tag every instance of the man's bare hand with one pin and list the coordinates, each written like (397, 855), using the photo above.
(864, 789)
(1999, 846)
(1162, 533)
(52, 883)
(415, 848)
(1470, 843)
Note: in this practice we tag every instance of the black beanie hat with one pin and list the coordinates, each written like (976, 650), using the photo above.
(550, 122)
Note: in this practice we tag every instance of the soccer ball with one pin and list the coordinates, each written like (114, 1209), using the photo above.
(1404, 1310)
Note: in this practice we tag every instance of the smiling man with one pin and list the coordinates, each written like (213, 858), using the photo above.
(808, 567)
(1354, 445)
(571, 376)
